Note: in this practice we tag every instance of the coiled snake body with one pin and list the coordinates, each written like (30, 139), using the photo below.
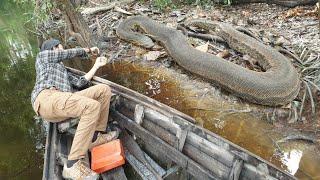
(278, 85)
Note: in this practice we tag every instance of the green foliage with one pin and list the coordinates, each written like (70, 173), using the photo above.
(41, 11)
(200, 2)
(227, 2)
(162, 4)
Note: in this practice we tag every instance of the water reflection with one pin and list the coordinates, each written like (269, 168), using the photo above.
(22, 140)
(292, 159)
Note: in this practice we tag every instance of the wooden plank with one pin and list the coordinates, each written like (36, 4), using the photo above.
(210, 149)
(213, 150)
(236, 170)
(114, 174)
(219, 170)
(141, 169)
(132, 146)
(192, 167)
(161, 133)
(171, 171)
(252, 173)
(67, 124)
(49, 161)
(216, 167)
(153, 115)
(138, 113)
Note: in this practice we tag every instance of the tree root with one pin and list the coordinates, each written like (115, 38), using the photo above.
(206, 37)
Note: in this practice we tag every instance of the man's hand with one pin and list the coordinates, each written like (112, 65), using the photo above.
(92, 50)
(100, 61)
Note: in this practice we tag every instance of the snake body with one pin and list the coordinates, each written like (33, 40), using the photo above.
(278, 85)
(287, 3)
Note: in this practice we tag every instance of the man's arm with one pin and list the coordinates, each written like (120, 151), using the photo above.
(78, 82)
(56, 56)
(81, 82)
(100, 61)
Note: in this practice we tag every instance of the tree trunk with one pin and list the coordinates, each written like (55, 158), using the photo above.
(76, 25)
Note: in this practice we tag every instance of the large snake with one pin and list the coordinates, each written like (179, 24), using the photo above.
(278, 85)
(288, 3)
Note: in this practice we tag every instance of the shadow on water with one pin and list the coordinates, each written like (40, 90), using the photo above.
(232, 121)
(22, 138)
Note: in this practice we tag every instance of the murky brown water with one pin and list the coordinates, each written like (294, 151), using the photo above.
(233, 121)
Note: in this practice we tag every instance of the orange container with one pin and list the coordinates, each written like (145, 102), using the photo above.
(107, 156)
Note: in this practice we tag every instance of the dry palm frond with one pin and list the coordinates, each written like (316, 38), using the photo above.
(310, 76)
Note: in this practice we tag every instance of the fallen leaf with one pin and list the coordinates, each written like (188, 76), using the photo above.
(181, 18)
(281, 41)
(157, 47)
(140, 52)
(175, 13)
(246, 13)
(143, 9)
(246, 57)
(223, 54)
(163, 54)
(203, 48)
(152, 55)
(299, 11)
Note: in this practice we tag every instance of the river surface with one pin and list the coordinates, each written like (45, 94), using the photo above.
(22, 138)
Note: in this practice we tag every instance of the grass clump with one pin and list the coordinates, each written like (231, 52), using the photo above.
(162, 4)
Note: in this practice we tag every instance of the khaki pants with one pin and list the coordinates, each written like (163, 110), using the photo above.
(91, 105)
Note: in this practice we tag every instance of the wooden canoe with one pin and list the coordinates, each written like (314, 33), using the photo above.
(171, 144)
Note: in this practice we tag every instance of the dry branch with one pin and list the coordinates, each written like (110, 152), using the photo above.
(91, 11)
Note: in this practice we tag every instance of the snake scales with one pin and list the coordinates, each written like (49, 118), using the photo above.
(278, 85)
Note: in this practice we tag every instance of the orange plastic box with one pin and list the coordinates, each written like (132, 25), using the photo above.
(107, 156)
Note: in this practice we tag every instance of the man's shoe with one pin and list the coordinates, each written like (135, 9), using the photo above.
(104, 138)
(79, 171)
